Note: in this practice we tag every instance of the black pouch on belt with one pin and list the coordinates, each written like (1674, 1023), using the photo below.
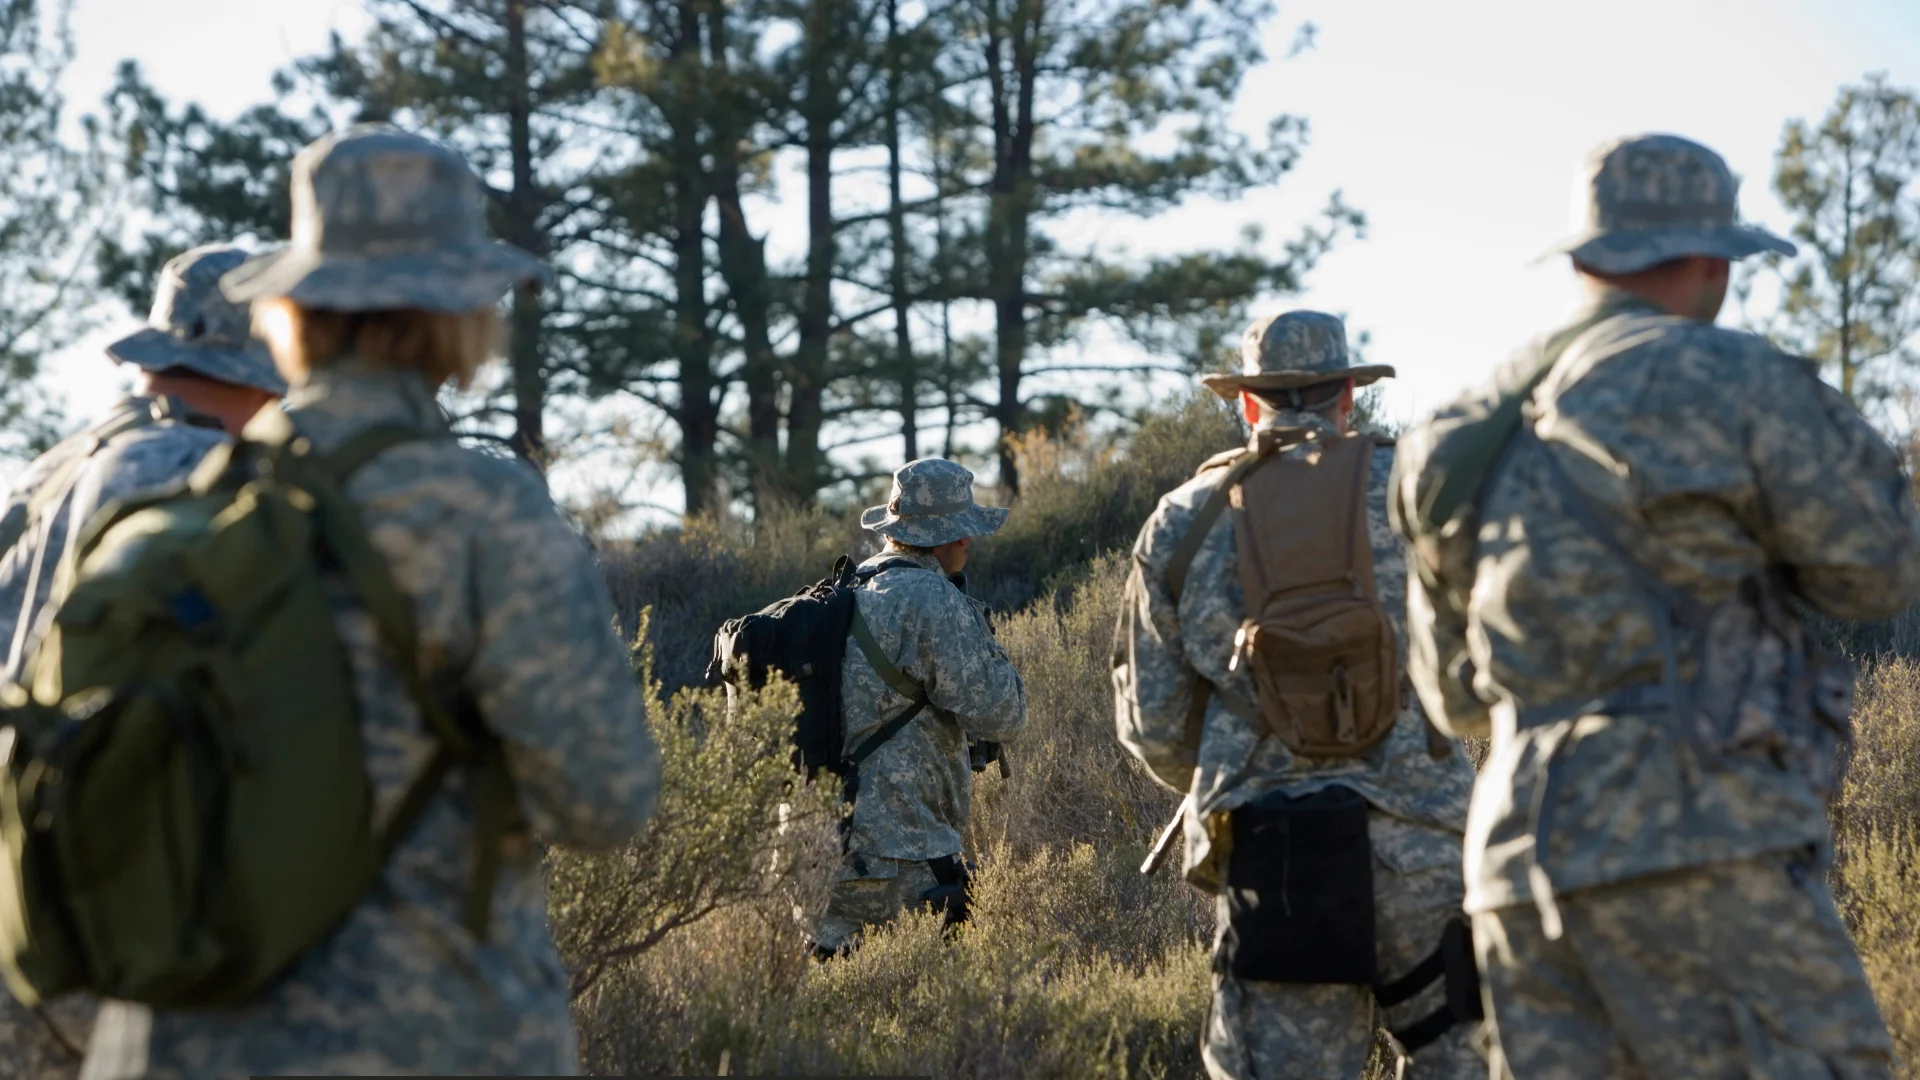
(1299, 892)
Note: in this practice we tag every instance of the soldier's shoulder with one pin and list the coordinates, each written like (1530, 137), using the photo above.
(459, 479)
(1721, 358)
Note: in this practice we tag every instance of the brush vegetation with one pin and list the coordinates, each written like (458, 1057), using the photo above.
(686, 950)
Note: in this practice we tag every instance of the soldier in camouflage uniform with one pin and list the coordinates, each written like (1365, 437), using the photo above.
(201, 376)
(389, 249)
(912, 795)
(1647, 846)
(1168, 653)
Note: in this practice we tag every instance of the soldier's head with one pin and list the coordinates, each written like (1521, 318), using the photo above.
(931, 512)
(1658, 216)
(198, 345)
(1293, 366)
(389, 263)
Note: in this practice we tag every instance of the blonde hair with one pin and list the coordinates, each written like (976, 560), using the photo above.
(443, 347)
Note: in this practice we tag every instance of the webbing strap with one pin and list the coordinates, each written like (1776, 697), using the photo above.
(1209, 513)
(889, 673)
(1466, 476)
(372, 585)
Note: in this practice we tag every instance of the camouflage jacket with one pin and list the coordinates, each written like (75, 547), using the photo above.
(917, 788)
(513, 622)
(1163, 652)
(1719, 458)
(91, 472)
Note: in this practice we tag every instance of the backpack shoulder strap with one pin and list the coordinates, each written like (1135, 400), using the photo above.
(1233, 469)
(898, 681)
(1464, 480)
(372, 584)
(54, 488)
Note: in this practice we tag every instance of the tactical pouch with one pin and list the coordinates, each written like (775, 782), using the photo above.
(1299, 892)
(948, 898)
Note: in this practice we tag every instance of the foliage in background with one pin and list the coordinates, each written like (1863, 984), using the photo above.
(732, 830)
(1087, 496)
(1851, 297)
(54, 199)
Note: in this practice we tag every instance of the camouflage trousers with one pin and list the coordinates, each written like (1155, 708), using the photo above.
(870, 891)
(29, 1050)
(1296, 1031)
(1742, 969)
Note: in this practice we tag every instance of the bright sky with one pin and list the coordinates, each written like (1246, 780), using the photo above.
(1456, 127)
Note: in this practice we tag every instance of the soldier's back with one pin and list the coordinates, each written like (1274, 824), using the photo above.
(513, 626)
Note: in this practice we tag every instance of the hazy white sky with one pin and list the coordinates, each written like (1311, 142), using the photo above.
(1456, 127)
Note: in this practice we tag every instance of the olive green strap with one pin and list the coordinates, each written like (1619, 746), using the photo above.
(889, 674)
(1183, 555)
(1468, 473)
(493, 798)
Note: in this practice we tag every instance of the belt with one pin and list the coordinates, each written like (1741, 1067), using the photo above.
(1637, 697)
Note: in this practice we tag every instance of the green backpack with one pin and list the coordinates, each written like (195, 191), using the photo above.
(184, 804)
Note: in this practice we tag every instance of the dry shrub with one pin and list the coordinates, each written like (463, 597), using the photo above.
(733, 831)
(1876, 819)
(1022, 992)
(1082, 497)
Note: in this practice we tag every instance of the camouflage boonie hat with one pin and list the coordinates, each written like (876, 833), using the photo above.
(1292, 351)
(932, 504)
(195, 328)
(1643, 200)
(383, 219)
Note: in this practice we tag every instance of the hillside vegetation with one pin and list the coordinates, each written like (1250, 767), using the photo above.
(686, 949)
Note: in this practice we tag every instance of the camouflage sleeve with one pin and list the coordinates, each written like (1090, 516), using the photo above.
(971, 676)
(1837, 508)
(554, 683)
(1439, 664)
(1153, 685)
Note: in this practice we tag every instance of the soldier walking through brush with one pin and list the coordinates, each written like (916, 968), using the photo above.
(202, 376)
(488, 698)
(1257, 670)
(1609, 537)
(921, 678)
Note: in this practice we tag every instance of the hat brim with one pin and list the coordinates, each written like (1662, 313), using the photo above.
(1625, 251)
(456, 279)
(934, 531)
(1229, 386)
(156, 350)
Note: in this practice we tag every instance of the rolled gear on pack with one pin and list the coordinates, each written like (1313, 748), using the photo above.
(185, 805)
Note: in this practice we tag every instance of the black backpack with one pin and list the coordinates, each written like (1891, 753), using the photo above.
(805, 638)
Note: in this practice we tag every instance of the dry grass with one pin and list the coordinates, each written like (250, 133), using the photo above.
(1074, 965)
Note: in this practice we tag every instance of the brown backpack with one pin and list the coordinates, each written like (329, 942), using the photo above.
(1319, 644)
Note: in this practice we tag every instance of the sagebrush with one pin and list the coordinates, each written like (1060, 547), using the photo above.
(687, 948)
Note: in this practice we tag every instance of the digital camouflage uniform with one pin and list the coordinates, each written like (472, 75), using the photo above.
(1417, 803)
(1672, 918)
(513, 624)
(916, 789)
(144, 442)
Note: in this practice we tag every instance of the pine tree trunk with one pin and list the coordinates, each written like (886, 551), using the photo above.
(897, 235)
(743, 265)
(699, 412)
(523, 230)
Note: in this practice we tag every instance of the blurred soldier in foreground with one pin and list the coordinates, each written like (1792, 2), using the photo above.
(386, 294)
(926, 677)
(1257, 670)
(201, 377)
(1608, 537)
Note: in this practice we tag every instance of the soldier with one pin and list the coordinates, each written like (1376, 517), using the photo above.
(1648, 844)
(386, 294)
(201, 376)
(1188, 708)
(930, 678)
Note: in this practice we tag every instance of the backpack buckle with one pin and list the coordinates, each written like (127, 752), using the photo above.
(195, 615)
